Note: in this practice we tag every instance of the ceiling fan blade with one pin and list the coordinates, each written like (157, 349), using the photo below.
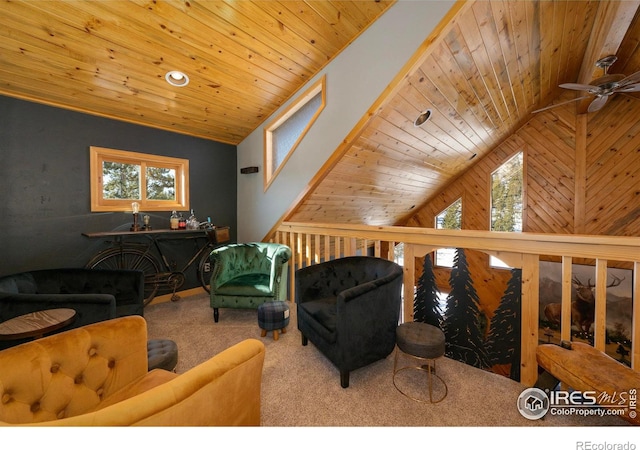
(633, 78)
(630, 88)
(579, 87)
(560, 104)
(598, 103)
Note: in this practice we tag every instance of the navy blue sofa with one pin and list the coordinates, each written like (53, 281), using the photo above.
(95, 295)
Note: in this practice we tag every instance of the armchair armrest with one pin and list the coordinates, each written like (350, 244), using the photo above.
(369, 300)
(279, 264)
(368, 314)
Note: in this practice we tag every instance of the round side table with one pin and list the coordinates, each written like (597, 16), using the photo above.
(36, 324)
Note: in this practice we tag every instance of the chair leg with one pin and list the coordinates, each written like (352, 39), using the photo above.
(216, 314)
(344, 378)
(275, 335)
(304, 340)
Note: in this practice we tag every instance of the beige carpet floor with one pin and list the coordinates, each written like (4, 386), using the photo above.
(301, 387)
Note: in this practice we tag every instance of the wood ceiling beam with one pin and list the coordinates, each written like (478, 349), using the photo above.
(611, 24)
(613, 19)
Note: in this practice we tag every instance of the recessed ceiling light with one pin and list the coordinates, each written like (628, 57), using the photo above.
(177, 78)
(422, 118)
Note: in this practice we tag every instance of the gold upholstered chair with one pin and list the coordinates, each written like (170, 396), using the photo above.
(97, 375)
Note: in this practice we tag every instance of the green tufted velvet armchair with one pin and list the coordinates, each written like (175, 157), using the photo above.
(248, 275)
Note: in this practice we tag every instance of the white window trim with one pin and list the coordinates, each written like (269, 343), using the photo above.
(270, 173)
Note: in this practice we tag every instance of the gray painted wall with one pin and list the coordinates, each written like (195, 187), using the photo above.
(44, 182)
(355, 79)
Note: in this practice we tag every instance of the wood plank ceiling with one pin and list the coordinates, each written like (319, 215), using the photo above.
(243, 58)
(481, 74)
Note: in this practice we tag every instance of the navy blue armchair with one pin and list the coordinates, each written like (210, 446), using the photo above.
(349, 309)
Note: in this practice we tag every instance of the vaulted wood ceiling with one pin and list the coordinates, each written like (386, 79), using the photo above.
(481, 74)
(485, 71)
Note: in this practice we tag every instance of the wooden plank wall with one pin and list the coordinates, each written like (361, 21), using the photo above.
(549, 144)
(613, 171)
(568, 189)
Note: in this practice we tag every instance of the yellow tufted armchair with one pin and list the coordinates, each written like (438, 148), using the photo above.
(96, 375)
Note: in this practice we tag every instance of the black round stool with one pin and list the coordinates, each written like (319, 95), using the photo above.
(422, 342)
(162, 354)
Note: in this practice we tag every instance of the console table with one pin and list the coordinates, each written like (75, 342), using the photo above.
(165, 269)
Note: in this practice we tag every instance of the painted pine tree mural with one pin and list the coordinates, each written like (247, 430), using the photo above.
(426, 307)
(503, 341)
(463, 322)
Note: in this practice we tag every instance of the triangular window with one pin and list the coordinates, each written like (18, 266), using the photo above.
(449, 219)
(507, 199)
(284, 134)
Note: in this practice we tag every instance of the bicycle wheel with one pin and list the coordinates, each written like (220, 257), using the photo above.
(204, 271)
(134, 259)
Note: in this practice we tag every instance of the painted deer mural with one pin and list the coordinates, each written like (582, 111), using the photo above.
(582, 308)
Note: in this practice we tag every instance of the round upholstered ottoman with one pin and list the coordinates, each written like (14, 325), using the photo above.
(162, 354)
(273, 316)
(424, 343)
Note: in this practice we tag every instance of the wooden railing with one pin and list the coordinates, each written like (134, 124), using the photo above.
(312, 243)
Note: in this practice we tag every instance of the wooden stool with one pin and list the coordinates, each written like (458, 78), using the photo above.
(273, 316)
(422, 342)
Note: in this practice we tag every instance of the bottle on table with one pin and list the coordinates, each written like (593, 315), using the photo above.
(192, 222)
(174, 221)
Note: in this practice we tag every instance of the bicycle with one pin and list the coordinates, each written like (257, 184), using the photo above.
(151, 259)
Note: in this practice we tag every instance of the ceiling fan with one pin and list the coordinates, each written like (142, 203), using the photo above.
(602, 88)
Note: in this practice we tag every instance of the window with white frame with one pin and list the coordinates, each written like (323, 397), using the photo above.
(285, 133)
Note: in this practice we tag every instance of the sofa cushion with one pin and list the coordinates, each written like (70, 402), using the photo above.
(22, 283)
(8, 285)
(127, 310)
(324, 312)
(152, 379)
(251, 285)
